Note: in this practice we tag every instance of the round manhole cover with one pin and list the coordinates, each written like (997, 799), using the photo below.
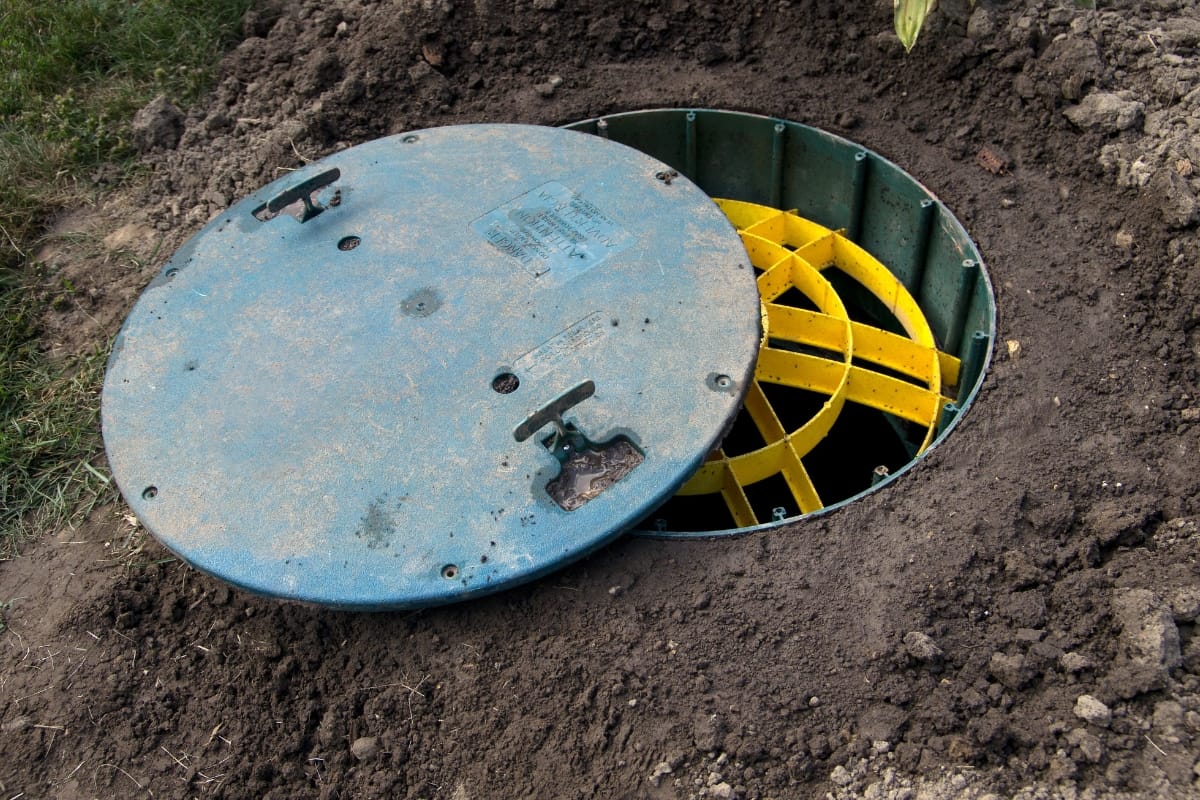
(431, 366)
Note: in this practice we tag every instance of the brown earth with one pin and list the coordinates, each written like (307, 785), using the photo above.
(931, 640)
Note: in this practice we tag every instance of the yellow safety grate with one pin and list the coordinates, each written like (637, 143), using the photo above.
(822, 351)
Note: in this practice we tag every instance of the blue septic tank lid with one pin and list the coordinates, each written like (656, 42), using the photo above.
(431, 366)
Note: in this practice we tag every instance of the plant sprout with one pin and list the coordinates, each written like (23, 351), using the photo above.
(910, 16)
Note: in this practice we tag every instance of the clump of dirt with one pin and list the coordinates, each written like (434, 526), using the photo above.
(1017, 616)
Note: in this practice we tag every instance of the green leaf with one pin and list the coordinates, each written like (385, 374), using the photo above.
(910, 16)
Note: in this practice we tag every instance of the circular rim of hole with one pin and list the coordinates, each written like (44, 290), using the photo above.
(172, 272)
(410, 138)
(450, 571)
(974, 351)
(150, 492)
(348, 243)
(505, 383)
(723, 381)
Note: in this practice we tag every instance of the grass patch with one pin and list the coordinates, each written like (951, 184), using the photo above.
(72, 74)
(50, 472)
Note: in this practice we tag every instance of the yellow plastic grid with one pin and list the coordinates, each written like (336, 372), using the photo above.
(791, 253)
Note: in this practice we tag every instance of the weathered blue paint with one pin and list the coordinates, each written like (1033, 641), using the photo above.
(307, 410)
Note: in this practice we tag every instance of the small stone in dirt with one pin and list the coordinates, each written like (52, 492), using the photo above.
(847, 120)
(1061, 769)
(1147, 628)
(1174, 196)
(840, 775)
(1092, 710)
(1106, 111)
(661, 770)
(1185, 602)
(721, 791)
(818, 745)
(157, 126)
(814, 701)
(545, 5)
(1127, 680)
(1123, 239)
(1168, 717)
(709, 53)
(708, 731)
(1011, 671)
(922, 648)
(1043, 656)
(1088, 744)
(980, 25)
(1071, 64)
(365, 748)
(961, 749)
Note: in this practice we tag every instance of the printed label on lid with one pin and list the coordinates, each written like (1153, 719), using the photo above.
(552, 230)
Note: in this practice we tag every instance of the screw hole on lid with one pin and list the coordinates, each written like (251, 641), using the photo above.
(505, 383)
(349, 242)
(410, 138)
(450, 571)
(150, 492)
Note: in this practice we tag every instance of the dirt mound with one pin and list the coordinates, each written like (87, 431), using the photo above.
(1016, 616)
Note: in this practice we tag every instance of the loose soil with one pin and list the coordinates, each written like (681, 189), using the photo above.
(931, 640)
